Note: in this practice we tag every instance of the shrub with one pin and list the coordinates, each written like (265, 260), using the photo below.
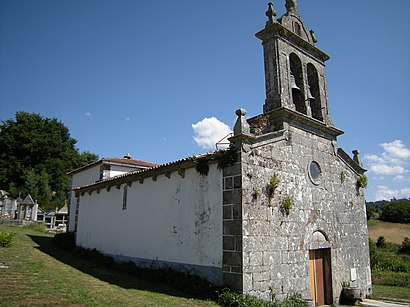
(405, 246)
(6, 238)
(233, 299)
(381, 242)
(272, 186)
(394, 279)
(287, 204)
(361, 181)
(391, 262)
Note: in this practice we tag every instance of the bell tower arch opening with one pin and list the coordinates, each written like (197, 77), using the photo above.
(296, 83)
(314, 92)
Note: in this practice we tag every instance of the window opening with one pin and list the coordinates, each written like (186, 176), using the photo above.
(315, 172)
(314, 93)
(297, 28)
(124, 198)
(77, 208)
(296, 83)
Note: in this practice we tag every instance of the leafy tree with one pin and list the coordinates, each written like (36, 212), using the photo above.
(397, 211)
(35, 155)
(372, 212)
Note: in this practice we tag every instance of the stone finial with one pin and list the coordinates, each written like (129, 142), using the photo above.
(314, 38)
(241, 125)
(270, 13)
(356, 157)
(292, 7)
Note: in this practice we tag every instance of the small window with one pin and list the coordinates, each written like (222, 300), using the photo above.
(314, 172)
(297, 29)
(77, 208)
(124, 198)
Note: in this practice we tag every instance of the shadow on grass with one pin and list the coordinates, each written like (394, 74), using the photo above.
(110, 274)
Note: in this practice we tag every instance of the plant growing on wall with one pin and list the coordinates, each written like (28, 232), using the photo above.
(226, 157)
(343, 175)
(272, 186)
(287, 204)
(361, 181)
(201, 166)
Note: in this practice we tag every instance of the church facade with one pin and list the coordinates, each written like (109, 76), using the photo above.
(281, 211)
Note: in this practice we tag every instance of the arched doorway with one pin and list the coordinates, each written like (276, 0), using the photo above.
(320, 270)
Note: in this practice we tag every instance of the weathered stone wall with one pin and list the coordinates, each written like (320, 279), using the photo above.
(276, 244)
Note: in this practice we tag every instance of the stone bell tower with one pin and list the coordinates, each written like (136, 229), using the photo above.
(296, 220)
(294, 72)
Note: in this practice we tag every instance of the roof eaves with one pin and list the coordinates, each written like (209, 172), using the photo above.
(140, 175)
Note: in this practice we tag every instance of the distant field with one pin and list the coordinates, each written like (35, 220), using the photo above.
(392, 232)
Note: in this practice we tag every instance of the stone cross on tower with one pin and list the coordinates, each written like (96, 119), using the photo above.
(292, 7)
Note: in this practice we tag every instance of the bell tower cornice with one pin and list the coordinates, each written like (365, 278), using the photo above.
(276, 30)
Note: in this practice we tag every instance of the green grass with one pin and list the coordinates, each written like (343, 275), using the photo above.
(390, 272)
(400, 294)
(33, 271)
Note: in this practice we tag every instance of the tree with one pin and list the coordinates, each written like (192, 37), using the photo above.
(35, 155)
(397, 211)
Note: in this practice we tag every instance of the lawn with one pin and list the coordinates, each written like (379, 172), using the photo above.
(35, 272)
(389, 293)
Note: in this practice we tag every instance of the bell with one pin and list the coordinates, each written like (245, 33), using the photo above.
(293, 83)
(310, 96)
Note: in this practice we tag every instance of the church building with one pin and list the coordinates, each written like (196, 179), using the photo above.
(281, 211)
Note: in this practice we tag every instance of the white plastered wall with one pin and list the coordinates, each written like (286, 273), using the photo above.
(79, 179)
(171, 219)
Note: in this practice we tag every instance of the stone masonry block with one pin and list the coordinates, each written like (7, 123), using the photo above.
(227, 212)
(232, 197)
(233, 227)
(232, 258)
(228, 243)
(233, 281)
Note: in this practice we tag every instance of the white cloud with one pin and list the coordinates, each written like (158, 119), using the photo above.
(384, 169)
(396, 149)
(385, 193)
(126, 118)
(209, 131)
(392, 161)
(373, 158)
(405, 193)
(399, 178)
(88, 115)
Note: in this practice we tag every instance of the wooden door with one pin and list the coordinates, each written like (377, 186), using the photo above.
(320, 276)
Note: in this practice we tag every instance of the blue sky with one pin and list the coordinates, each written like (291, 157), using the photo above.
(134, 76)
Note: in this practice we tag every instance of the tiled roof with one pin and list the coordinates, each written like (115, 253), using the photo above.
(130, 161)
(149, 172)
(123, 161)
